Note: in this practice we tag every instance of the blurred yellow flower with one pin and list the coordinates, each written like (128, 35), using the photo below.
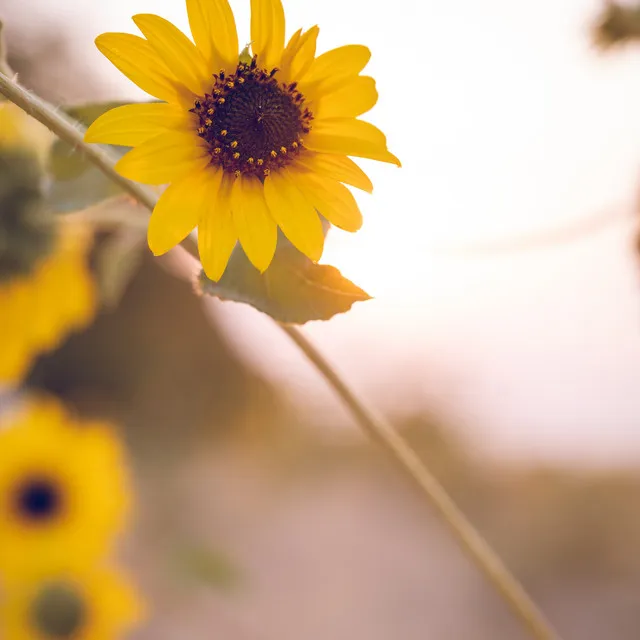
(39, 309)
(92, 604)
(247, 146)
(21, 132)
(64, 489)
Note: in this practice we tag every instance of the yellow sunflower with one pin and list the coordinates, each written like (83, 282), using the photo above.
(92, 604)
(39, 308)
(247, 144)
(64, 489)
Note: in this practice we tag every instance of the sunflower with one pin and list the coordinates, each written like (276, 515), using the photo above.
(92, 604)
(42, 306)
(246, 143)
(64, 490)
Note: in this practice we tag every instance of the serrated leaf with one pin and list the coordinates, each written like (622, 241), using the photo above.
(293, 289)
(77, 183)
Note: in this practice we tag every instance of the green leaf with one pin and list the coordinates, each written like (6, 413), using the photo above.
(77, 183)
(293, 289)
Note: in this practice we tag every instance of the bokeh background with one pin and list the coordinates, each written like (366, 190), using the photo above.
(504, 339)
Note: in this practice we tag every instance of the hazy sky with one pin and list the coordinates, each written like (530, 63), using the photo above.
(507, 122)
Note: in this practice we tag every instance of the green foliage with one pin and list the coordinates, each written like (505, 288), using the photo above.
(293, 289)
(77, 183)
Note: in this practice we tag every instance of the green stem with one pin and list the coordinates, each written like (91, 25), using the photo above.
(377, 429)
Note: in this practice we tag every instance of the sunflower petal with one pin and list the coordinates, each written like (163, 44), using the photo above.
(293, 213)
(340, 168)
(180, 207)
(267, 31)
(176, 50)
(335, 66)
(349, 100)
(305, 53)
(164, 158)
(137, 60)
(331, 199)
(217, 235)
(214, 32)
(350, 137)
(133, 124)
(256, 229)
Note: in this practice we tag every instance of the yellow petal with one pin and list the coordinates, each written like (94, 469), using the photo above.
(350, 137)
(133, 124)
(164, 158)
(331, 199)
(349, 100)
(180, 207)
(214, 32)
(217, 235)
(331, 68)
(267, 31)
(293, 213)
(136, 58)
(304, 54)
(290, 50)
(178, 53)
(256, 229)
(338, 168)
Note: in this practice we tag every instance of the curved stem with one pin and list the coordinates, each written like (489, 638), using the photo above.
(378, 430)
(432, 491)
(71, 133)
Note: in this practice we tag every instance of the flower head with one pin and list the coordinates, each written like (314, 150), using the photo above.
(247, 144)
(78, 604)
(63, 489)
(42, 306)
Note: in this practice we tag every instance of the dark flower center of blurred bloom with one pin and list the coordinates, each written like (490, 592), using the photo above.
(38, 500)
(251, 122)
(58, 612)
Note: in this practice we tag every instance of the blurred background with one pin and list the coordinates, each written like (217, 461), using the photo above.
(504, 339)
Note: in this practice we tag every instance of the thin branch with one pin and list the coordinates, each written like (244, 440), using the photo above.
(377, 429)
(71, 133)
(433, 493)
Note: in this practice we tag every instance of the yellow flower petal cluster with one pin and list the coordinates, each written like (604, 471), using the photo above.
(64, 489)
(19, 131)
(87, 604)
(64, 497)
(245, 147)
(39, 309)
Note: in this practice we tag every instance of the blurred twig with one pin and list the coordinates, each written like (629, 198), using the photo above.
(4, 65)
(617, 24)
(399, 450)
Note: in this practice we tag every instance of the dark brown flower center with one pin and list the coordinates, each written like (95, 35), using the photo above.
(38, 500)
(251, 121)
(58, 612)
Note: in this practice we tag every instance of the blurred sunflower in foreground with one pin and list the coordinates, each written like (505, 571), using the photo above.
(64, 490)
(93, 604)
(247, 144)
(46, 289)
